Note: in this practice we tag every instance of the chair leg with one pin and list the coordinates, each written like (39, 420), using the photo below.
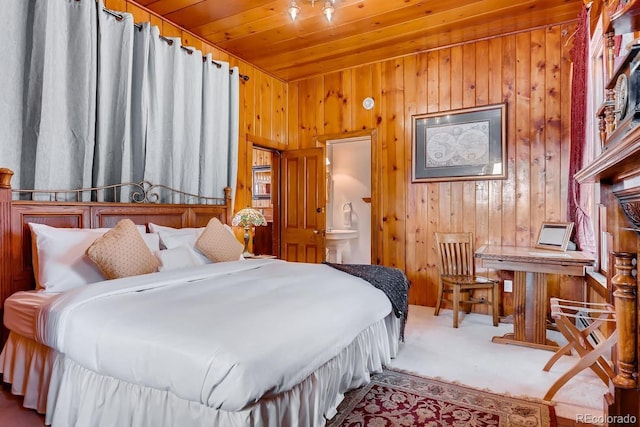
(456, 305)
(495, 305)
(469, 297)
(440, 295)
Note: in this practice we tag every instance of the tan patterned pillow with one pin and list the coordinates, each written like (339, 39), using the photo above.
(121, 252)
(218, 244)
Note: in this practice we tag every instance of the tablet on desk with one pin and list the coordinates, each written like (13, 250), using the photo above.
(554, 236)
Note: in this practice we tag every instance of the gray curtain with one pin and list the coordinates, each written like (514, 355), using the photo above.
(234, 131)
(48, 105)
(95, 100)
(112, 159)
(174, 115)
(190, 116)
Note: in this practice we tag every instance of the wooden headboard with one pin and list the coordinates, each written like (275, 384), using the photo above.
(16, 272)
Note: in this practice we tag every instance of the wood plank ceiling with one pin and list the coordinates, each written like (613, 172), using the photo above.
(362, 31)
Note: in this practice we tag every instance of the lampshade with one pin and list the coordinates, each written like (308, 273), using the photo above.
(248, 217)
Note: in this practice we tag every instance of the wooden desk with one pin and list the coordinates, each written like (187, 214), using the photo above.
(530, 267)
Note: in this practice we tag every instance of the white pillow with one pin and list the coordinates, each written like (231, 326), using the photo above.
(184, 234)
(151, 239)
(59, 259)
(178, 257)
(171, 238)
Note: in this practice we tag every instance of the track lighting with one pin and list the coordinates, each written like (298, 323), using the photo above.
(327, 10)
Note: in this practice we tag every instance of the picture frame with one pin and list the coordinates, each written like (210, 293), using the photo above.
(465, 144)
(554, 236)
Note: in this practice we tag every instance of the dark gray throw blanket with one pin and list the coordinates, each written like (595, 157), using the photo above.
(392, 281)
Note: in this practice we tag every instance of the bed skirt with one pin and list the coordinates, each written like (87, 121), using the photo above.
(78, 396)
(26, 365)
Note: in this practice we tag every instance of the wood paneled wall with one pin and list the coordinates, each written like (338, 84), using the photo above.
(529, 71)
(263, 98)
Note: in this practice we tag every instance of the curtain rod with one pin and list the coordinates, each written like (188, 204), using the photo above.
(119, 17)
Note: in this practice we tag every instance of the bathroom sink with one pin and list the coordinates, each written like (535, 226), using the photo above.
(337, 241)
(341, 234)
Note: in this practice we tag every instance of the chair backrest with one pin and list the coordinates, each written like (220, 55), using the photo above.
(455, 254)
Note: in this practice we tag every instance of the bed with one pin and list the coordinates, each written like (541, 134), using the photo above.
(253, 342)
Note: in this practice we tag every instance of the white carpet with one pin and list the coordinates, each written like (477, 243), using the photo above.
(433, 348)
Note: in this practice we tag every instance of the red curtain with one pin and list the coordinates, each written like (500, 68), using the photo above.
(579, 56)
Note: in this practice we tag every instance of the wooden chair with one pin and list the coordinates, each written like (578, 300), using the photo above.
(587, 340)
(457, 275)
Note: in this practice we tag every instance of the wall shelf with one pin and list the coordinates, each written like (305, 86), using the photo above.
(623, 19)
(618, 160)
(620, 67)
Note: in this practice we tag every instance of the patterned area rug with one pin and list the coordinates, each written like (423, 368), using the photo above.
(398, 399)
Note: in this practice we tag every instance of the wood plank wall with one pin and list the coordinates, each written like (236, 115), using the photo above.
(530, 71)
(262, 99)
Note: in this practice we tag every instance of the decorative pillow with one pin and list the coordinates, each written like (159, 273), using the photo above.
(122, 252)
(218, 244)
(178, 257)
(59, 259)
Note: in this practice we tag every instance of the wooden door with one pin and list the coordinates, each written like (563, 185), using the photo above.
(303, 205)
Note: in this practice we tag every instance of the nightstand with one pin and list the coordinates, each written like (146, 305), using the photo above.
(260, 257)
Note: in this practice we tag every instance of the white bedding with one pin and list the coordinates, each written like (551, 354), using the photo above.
(224, 335)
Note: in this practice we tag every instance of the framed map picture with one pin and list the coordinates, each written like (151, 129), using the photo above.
(468, 144)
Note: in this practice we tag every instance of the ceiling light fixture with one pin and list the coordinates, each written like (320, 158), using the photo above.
(293, 10)
(327, 10)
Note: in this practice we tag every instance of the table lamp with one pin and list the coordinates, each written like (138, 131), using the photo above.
(246, 218)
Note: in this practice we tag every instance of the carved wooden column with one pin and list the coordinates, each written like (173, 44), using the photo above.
(602, 128)
(610, 46)
(625, 300)
(5, 242)
(610, 112)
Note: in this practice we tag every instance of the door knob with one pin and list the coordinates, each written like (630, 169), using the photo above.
(319, 210)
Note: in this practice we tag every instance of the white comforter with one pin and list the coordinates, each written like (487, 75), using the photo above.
(224, 335)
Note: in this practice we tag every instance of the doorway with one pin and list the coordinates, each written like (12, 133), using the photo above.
(304, 199)
(265, 192)
(366, 160)
(348, 221)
